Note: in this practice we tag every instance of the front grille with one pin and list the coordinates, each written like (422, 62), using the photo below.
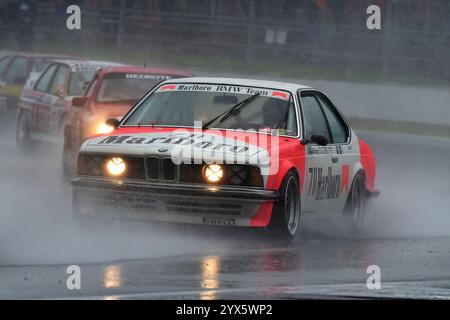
(168, 169)
(161, 169)
(153, 171)
(235, 175)
(165, 170)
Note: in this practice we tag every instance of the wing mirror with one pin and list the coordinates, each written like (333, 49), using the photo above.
(59, 91)
(319, 139)
(80, 102)
(113, 122)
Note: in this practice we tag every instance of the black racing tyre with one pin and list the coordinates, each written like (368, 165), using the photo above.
(355, 207)
(68, 158)
(23, 140)
(286, 213)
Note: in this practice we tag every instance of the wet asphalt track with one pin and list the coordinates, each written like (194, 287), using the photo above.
(407, 235)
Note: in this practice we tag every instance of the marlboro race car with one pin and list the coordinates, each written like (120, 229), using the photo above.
(112, 92)
(43, 106)
(228, 152)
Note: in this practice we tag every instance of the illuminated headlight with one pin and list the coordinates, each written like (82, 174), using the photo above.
(116, 167)
(213, 173)
(103, 128)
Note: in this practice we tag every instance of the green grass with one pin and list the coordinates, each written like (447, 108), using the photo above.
(405, 127)
(213, 63)
(277, 69)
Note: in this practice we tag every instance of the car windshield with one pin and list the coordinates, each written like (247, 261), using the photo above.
(182, 104)
(79, 80)
(126, 86)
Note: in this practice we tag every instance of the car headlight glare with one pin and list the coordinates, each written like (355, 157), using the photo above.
(213, 173)
(103, 128)
(116, 167)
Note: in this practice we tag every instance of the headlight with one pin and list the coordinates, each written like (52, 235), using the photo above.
(213, 172)
(116, 167)
(103, 128)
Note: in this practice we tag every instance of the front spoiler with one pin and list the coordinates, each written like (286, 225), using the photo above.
(168, 202)
(246, 194)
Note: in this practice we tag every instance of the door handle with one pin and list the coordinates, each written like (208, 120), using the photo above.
(335, 159)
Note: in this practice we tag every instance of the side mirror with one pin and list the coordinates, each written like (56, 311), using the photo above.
(79, 102)
(319, 139)
(20, 80)
(113, 122)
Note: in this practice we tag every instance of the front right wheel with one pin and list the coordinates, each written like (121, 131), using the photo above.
(285, 219)
(355, 207)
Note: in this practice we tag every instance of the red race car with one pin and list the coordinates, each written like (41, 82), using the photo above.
(112, 92)
(228, 152)
(44, 103)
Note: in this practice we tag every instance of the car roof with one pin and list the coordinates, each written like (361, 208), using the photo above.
(88, 63)
(243, 82)
(147, 70)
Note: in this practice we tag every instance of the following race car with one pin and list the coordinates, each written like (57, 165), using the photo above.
(43, 107)
(15, 69)
(112, 92)
(229, 152)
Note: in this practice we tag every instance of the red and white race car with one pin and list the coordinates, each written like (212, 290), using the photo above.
(43, 105)
(229, 152)
(111, 94)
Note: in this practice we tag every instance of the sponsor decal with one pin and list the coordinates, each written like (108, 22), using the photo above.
(83, 67)
(282, 95)
(143, 76)
(196, 147)
(345, 177)
(219, 222)
(324, 185)
(185, 140)
(164, 88)
(319, 150)
(276, 94)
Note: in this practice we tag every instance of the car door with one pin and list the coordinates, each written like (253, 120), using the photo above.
(58, 91)
(4, 64)
(42, 104)
(322, 176)
(14, 79)
(345, 146)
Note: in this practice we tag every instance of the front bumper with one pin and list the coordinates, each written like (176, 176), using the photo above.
(169, 202)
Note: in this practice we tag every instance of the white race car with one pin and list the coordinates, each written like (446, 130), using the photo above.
(228, 152)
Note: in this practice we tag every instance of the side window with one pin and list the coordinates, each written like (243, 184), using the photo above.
(3, 64)
(315, 123)
(17, 71)
(291, 122)
(338, 128)
(44, 81)
(39, 65)
(58, 86)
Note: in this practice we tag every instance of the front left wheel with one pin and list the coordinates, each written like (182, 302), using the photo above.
(23, 140)
(285, 218)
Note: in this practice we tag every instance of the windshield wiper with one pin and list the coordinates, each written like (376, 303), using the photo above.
(231, 111)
